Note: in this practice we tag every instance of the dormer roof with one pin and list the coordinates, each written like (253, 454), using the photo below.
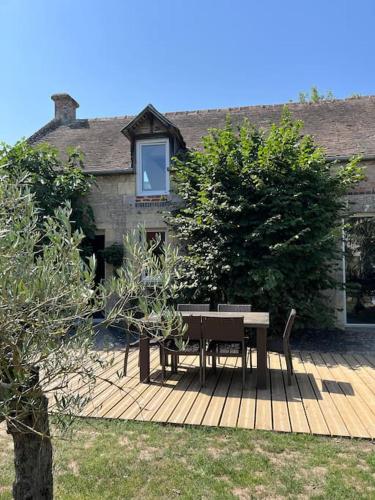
(151, 114)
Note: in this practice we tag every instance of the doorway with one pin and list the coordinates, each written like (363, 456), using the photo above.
(98, 246)
(359, 268)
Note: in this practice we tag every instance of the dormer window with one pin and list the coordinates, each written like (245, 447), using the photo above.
(154, 139)
(152, 164)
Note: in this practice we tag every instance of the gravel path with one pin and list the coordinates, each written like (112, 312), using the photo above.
(349, 340)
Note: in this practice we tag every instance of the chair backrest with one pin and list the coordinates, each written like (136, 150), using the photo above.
(194, 327)
(193, 307)
(227, 329)
(289, 325)
(234, 308)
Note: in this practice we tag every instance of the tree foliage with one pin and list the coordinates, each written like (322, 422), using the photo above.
(260, 218)
(114, 254)
(315, 96)
(53, 182)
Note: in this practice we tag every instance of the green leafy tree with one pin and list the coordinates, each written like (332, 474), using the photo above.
(47, 301)
(54, 182)
(315, 96)
(259, 219)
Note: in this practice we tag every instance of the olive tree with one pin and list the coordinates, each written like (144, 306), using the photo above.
(47, 299)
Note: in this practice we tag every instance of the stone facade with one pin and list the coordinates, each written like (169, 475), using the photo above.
(117, 209)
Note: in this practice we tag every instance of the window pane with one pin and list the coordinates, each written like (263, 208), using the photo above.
(153, 167)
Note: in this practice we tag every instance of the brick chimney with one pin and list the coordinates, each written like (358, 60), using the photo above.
(65, 107)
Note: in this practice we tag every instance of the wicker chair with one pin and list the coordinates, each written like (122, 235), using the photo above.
(193, 307)
(192, 345)
(226, 338)
(238, 308)
(188, 308)
(275, 345)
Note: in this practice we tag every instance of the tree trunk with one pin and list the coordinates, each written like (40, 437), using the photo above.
(33, 455)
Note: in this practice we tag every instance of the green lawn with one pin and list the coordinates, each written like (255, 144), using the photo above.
(120, 460)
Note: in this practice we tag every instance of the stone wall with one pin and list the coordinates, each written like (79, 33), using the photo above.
(117, 209)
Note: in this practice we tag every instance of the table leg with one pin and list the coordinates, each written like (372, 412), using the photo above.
(144, 359)
(261, 358)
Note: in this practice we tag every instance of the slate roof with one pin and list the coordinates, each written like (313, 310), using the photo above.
(342, 127)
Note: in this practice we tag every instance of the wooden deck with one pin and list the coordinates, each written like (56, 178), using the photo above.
(332, 394)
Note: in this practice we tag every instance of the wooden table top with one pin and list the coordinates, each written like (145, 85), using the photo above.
(250, 319)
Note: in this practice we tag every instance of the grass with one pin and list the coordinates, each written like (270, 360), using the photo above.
(117, 460)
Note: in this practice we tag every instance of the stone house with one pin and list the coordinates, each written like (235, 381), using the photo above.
(129, 155)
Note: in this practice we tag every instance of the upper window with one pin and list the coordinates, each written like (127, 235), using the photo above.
(152, 166)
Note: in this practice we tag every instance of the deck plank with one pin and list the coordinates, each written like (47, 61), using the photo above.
(198, 410)
(232, 404)
(332, 417)
(215, 407)
(364, 372)
(311, 405)
(120, 400)
(154, 403)
(246, 414)
(352, 390)
(366, 364)
(81, 386)
(104, 392)
(363, 380)
(341, 401)
(297, 415)
(280, 412)
(263, 409)
(173, 400)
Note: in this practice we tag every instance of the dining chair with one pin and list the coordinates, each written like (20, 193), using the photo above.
(192, 345)
(282, 346)
(190, 308)
(237, 308)
(226, 338)
(193, 307)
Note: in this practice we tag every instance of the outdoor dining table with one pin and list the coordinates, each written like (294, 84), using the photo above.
(258, 320)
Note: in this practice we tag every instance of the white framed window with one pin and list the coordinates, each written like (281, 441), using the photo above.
(152, 166)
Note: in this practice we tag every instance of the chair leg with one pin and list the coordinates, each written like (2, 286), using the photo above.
(243, 364)
(289, 368)
(126, 357)
(291, 362)
(204, 367)
(172, 363)
(163, 356)
(214, 361)
(200, 365)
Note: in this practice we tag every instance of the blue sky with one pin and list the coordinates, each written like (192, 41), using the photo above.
(116, 56)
